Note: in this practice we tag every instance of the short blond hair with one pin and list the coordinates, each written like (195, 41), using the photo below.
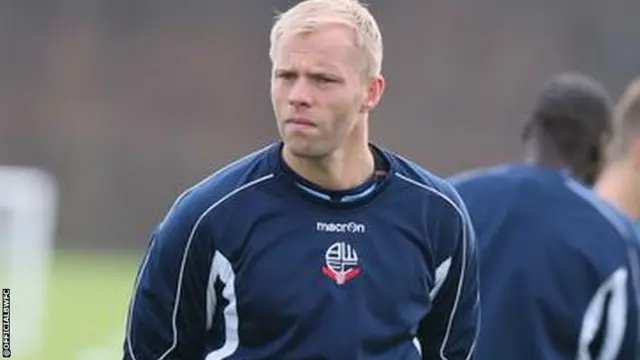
(308, 15)
(627, 119)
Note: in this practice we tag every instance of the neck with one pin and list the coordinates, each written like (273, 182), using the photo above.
(617, 186)
(546, 162)
(544, 159)
(343, 169)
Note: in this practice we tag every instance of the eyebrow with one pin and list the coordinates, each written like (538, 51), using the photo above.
(332, 73)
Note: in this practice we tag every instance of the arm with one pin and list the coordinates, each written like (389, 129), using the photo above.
(604, 322)
(579, 295)
(450, 330)
(167, 315)
(610, 323)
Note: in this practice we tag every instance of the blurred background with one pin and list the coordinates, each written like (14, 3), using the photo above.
(122, 104)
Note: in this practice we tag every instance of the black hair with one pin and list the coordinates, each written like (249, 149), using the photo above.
(570, 118)
(573, 111)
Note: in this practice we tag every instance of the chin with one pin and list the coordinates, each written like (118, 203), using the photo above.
(305, 149)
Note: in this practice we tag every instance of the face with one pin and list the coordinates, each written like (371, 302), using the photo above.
(319, 92)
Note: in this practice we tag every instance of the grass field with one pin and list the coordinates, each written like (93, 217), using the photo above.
(87, 298)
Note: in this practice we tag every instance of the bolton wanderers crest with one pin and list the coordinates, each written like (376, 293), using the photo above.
(341, 263)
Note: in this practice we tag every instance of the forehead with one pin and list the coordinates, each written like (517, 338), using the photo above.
(328, 47)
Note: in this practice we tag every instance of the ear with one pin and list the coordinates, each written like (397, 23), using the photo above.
(373, 93)
(602, 148)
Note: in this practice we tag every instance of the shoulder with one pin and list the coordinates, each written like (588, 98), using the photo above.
(428, 186)
(445, 217)
(486, 176)
(602, 213)
(503, 186)
(240, 176)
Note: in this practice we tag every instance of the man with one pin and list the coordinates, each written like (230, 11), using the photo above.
(620, 182)
(556, 264)
(321, 246)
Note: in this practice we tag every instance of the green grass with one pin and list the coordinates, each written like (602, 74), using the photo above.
(87, 299)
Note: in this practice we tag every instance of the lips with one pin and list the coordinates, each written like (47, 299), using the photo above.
(299, 121)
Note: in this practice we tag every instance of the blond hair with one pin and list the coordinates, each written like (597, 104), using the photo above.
(627, 119)
(308, 15)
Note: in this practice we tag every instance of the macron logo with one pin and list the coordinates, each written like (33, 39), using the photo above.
(348, 227)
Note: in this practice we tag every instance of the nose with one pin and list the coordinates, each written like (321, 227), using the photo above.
(300, 94)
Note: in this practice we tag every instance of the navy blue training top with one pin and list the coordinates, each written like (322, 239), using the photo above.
(255, 263)
(558, 267)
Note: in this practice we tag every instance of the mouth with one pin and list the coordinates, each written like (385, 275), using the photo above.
(299, 121)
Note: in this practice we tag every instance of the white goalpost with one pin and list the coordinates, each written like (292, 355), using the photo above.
(28, 216)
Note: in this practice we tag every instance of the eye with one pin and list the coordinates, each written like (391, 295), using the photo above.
(286, 75)
(323, 79)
